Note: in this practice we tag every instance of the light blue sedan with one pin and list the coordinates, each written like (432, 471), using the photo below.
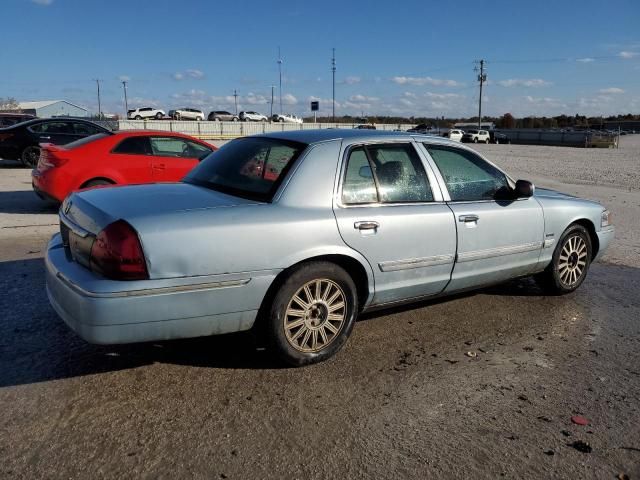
(299, 232)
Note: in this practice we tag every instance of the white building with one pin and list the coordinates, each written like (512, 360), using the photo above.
(53, 108)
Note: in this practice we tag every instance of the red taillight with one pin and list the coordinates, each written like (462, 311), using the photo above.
(117, 253)
(5, 136)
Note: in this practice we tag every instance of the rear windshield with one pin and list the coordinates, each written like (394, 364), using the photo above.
(85, 140)
(250, 168)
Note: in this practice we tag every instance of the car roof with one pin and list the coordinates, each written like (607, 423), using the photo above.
(352, 135)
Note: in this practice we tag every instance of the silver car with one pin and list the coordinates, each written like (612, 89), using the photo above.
(297, 233)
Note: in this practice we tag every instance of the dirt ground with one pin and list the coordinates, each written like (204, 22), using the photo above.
(481, 385)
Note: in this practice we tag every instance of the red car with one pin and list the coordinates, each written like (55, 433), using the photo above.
(133, 156)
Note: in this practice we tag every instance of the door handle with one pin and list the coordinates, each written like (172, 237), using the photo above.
(366, 225)
(468, 218)
(45, 138)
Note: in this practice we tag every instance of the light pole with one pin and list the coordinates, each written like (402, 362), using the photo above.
(99, 106)
(235, 99)
(271, 114)
(280, 75)
(333, 72)
(126, 103)
(482, 77)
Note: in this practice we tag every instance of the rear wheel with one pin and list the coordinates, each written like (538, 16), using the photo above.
(487, 141)
(475, 139)
(138, 117)
(569, 264)
(158, 116)
(30, 156)
(313, 313)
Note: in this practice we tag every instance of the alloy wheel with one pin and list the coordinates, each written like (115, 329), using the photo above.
(572, 261)
(315, 315)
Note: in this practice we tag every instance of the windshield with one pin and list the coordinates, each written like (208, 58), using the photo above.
(248, 167)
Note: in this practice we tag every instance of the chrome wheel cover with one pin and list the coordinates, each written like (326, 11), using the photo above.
(315, 315)
(572, 262)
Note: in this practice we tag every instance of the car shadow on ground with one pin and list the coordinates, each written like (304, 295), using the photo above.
(11, 164)
(25, 201)
(36, 345)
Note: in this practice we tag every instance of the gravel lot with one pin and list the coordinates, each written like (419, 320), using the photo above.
(403, 400)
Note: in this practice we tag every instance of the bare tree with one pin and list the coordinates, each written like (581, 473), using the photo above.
(8, 104)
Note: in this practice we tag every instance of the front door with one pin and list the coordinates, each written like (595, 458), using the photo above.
(174, 157)
(389, 213)
(499, 237)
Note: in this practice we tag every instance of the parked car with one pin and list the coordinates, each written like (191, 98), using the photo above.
(22, 140)
(476, 136)
(129, 156)
(8, 119)
(365, 126)
(454, 134)
(252, 117)
(286, 118)
(421, 128)
(187, 114)
(499, 137)
(347, 221)
(222, 116)
(145, 112)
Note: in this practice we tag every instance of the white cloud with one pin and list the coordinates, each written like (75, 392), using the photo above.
(44, 3)
(524, 82)
(627, 54)
(419, 81)
(190, 73)
(585, 60)
(441, 96)
(193, 73)
(289, 99)
(362, 98)
(611, 90)
(352, 80)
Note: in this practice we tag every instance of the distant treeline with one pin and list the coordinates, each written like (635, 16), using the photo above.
(505, 121)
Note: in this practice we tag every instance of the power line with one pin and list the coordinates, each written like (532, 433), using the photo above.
(280, 75)
(99, 106)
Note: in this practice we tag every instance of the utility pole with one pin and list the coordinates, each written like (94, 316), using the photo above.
(271, 115)
(280, 74)
(482, 77)
(126, 103)
(333, 73)
(99, 106)
(235, 99)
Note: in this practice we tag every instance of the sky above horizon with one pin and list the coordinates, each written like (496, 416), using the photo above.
(410, 58)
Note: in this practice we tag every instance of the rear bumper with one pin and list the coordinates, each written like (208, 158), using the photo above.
(106, 311)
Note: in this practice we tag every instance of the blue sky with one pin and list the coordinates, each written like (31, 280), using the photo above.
(393, 58)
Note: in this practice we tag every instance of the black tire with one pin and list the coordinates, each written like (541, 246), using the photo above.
(30, 156)
(565, 274)
(138, 117)
(487, 141)
(300, 345)
(497, 142)
(475, 140)
(158, 116)
(97, 183)
(176, 116)
(235, 119)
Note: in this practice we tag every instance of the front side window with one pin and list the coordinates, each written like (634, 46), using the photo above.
(468, 177)
(391, 173)
(248, 167)
(177, 147)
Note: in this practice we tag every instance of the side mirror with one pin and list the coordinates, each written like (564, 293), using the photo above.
(365, 172)
(524, 189)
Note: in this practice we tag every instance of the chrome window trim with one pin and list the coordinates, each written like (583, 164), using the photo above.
(342, 168)
(499, 251)
(153, 291)
(394, 265)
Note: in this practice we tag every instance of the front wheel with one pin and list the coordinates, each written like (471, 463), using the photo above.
(158, 116)
(30, 156)
(475, 140)
(138, 117)
(569, 264)
(487, 141)
(313, 313)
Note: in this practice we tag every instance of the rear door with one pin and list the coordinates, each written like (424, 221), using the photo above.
(498, 237)
(173, 157)
(131, 158)
(56, 132)
(390, 209)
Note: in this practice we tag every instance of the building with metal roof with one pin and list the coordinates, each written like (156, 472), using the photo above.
(53, 108)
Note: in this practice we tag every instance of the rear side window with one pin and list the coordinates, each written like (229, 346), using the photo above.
(52, 127)
(468, 177)
(84, 129)
(134, 146)
(390, 173)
